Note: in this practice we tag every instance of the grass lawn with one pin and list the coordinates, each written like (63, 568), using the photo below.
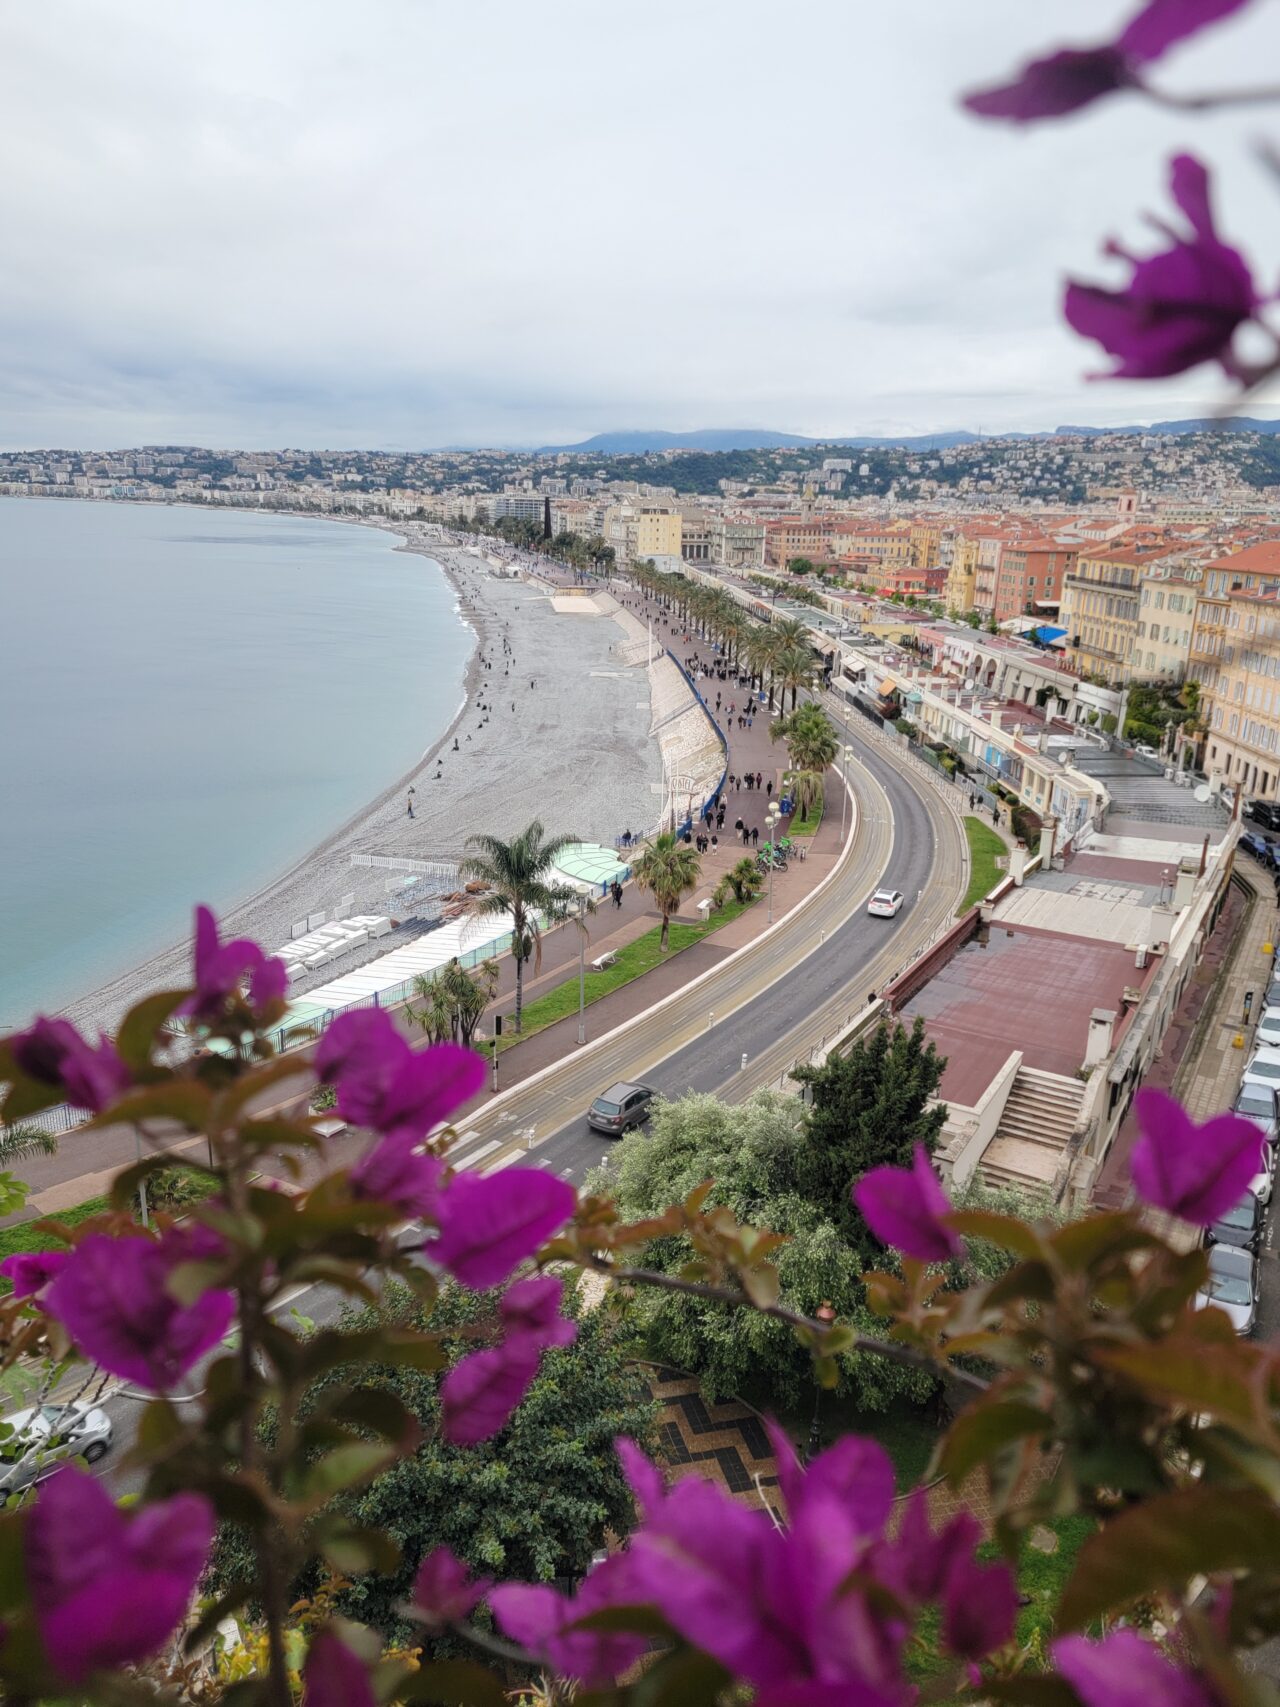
(633, 961)
(985, 847)
(24, 1235)
(807, 824)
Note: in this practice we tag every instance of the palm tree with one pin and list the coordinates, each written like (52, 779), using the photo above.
(794, 669)
(668, 868)
(810, 736)
(517, 874)
(804, 787)
(455, 1001)
(743, 881)
(24, 1139)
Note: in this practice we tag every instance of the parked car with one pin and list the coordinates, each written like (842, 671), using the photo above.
(1263, 1068)
(1146, 749)
(47, 1436)
(1258, 1103)
(1264, 812)
(1263, 1182)
(621, 1106)
(1241, 1225)
(1231, 1285)
(885, 903)
(1259, 847)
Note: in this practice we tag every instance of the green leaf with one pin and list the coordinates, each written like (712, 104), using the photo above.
(182, 1100)
(454, 1683)
(137, 1034)
(984, 1430)
(1218, 1378)
(685, 1678)
(13, 1566)
(352, 1548)
(27, 1097)
(159, 1426)
(1029, 1689)
(636, 1620)
(1003, 1230)
(344, 1467)
(1166, 1541)
(1086, 1244)
(380, 1411)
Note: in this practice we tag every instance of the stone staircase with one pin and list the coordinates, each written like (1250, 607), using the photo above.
(1035, 1127)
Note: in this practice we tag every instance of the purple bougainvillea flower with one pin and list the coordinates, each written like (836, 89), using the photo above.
(113, 1299)
(917, 1562)
(490, 1224)
(1058, 84)
(1074, 77)
(1161, 24)
(332, 1676)
(979, 1608)
(531, 1309)
(444, 1591)
(480, 1392)
(1124, 1671)
(222, 967)
(904, 1208)
(107, 1590)
(1194, 1172)
(397, 1172)
(1182, 306)
(53, 1052)
(31, 1271)
(543, 1621)
(385, 1084)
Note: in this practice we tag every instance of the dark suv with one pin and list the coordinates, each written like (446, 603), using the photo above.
(621, 1106)
(1264, 812)
(1240, 1226)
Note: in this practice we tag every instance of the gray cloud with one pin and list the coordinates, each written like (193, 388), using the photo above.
(419, 223)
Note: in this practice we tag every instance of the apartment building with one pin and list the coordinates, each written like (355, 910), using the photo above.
(962, 575)
(1100, 609)
(637, 531)
(1235, 657)
(1030, 574)
(1166, 621)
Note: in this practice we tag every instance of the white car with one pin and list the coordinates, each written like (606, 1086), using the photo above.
(1232, 1285)
(1263, 1068)
(885, 903)
(1267, 1035)
(46, 1436)
(1262, 1183)
(1257, 1102)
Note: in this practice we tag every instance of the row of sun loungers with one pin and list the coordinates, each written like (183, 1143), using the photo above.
(331, 942)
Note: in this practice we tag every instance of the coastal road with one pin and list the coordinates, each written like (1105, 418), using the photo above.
(775, 1002)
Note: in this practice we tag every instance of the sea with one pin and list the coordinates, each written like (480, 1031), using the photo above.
(190, 700)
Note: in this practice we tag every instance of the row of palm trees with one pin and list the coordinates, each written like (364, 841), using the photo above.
(777, 655)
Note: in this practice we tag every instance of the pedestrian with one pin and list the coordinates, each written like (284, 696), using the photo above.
(737, 826)
(715, 845)
(746, 836)
(617, 893)
(720, 819)
(755, 835)
(760, 781)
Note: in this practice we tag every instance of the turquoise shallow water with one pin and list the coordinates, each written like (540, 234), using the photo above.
(189, 701)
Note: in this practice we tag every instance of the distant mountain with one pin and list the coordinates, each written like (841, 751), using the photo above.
(640, 443)
(1197, 424)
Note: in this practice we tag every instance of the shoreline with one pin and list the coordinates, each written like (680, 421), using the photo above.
(488, 604)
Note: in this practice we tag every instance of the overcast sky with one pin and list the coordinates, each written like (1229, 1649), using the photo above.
(405, 223)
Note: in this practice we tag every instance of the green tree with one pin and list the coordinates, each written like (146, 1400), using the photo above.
(669, 869)
(809, 735)
(518, 876)
(743, 881)
(869, 1108)
(754, 1152)
(454, 1000)
(533, 1503)
(800, 565)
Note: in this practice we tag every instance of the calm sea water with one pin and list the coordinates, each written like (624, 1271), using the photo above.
(189, 700)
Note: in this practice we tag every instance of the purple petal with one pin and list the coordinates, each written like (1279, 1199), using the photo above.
(855, 1474)
(643, 1475)
(1189, 185)
(542, 1620)
(531, 1308)
(979, 1609)
(1124, 1671)
(430, 1084)
(105, 1592)
(444, 1591)
(903, 1208)
(53, 1052)
(480, 1392)
(1194, 1172)
(916, 1564)
(268, 982)
(1058, 84)
(490, 1224)
(333, 1676)
(396, 1172)
(1161, 23)
(31, 1271)
(364, 1042)
(113, 1300)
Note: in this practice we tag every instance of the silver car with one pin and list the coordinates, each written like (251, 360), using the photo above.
(46, 1436)
(1232, 1286)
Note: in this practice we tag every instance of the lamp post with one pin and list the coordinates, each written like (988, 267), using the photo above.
(825, 1315)
(582, 969)
(771, 818)
(846, 753)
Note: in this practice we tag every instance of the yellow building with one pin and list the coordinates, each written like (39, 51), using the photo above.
(1166, 619)
(926, 544)
(1100, 610)
(962, 575)
(1235, 657)
(658, 533)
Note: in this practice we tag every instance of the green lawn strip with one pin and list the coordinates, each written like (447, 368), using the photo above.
(26, 1236)
(806, 824)
(632, 962)
(985, 847)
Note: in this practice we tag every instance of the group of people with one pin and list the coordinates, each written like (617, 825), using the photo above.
(751, 781)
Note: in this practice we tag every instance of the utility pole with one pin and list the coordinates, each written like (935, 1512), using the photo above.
(847, 753)
(582, 969)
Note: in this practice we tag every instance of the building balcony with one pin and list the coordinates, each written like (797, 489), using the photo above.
(1114, 583)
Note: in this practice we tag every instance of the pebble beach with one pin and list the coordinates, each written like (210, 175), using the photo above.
(556, 725)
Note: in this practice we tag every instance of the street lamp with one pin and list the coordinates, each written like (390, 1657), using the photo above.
(846, 753)
(771, 818)
(582, 969)
(826, 1315)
